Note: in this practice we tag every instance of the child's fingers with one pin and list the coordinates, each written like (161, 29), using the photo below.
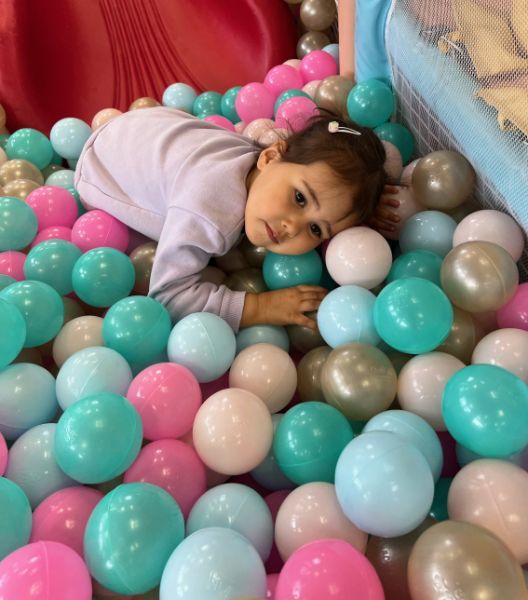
(391, 189)
(382, 225)
(388, 201)
(387, 215)
(305, 321)
(312, 289)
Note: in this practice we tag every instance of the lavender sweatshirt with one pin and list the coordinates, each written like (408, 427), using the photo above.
(180, 181)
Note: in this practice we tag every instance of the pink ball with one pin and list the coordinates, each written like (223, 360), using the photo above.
(271, 580)
(220, 121)
(62, 517)
(173, 466)
(97, 228)
(282, 78)
(167, 397)
(328, 568)
(58, 232)
(294, 113)
(318, 64)
(53, 206)
(45, 571)
(12, 264)
(3, 455)
(254, 101)
(515, 312)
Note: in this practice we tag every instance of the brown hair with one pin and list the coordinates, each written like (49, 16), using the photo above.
(358, 160)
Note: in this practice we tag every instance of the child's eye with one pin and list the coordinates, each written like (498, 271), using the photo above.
(300, 199)
(316, 230)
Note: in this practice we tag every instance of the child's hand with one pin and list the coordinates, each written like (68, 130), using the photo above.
(283, 307)
(384, 216)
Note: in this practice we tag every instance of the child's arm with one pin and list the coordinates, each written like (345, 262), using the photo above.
(283, 307)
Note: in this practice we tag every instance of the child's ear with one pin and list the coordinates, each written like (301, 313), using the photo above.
(272, 153)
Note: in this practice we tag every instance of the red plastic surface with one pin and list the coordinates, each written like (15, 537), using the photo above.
(71, 58)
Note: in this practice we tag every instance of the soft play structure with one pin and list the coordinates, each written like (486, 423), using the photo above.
(460, 72)
(74, 57)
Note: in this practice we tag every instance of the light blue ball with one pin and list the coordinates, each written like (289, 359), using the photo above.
(33, 466)
(384, 484)
(138, 327)
(262, 334)
(27, 398)
(204, 343)
(333, 50)
(62, 178)
(18, 224)
(89, 371)
(180, 96)
(130, 535)
(417, 263)
(370, 103)
(52, 262)
(346, 315)
(414, 430)
(214, 564)
(15, 517)
(41, 307)
(68, 137)
(13, 328)
(287, 270)
(268, 473)
(428, 230)
(237, 507)
(98, 438)
(103, 276)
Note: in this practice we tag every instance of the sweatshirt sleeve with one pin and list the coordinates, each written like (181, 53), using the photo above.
(186, 244)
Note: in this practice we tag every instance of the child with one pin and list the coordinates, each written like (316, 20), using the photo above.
(194, 186)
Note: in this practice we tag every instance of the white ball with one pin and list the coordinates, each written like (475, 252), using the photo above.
(506, 348)
(358, 256)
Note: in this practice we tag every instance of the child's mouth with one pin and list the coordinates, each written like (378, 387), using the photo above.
(271, 235)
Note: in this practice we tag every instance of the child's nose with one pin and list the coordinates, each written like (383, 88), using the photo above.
(290, 227)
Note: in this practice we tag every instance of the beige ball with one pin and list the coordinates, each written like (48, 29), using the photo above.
(506, 348)
(77, 334)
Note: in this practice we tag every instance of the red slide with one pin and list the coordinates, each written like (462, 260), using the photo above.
(71, 58)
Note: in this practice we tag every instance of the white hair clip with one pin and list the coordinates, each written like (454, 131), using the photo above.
(334, 127)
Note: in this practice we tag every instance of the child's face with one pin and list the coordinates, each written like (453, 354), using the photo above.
(292, 208)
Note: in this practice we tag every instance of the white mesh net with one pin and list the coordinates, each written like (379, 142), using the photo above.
(460, 70)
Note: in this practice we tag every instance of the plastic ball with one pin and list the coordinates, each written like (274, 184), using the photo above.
(309, 370)
(317, 65)
(309, 440)
(232, 431)
(68, 137)
(465, 332)
(317, 15)
(33, 466)
(282, 270)
(346, 315)
(42, 309)
(180, 96)
(52, 262)
(370, 103)
(515, 312)
(97, 228)
(207, 103)
(398, 135)
(28, 398)
(130, 537)
(258, 127)
(506, 348)
(104, 116)
(227, 104)
(328, 568)
(238, 569)
(103, 276)
(204, 343)
(413, 315)
(54, 206)
(293, 114)
(62, 178)
(79, 333)
(479, 276)
(173, 466)
(421, 385)
(3, 455)
(282, 78)
(98, 438)
(358, 256)
(62, 516)
(359, 380)
(286, 95)
(254, 101)
(265, 334)
(31, 145)
(384, 484)
(311, 512)
(13, 326)
(90, 371)
(237, 507)
(52, 233)
(167, 397)
(428, 230)
(15, 518)
(414, 430)
(416, 263)
(12, 264)
(485, 408)
(18, 224)
(268, 372)
(333, 50)
(5, 280)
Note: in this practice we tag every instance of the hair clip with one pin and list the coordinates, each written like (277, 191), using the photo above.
(334, 127)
